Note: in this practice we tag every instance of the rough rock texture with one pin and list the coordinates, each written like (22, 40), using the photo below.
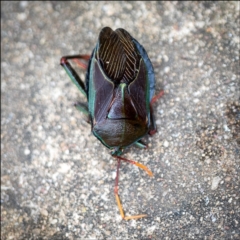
(57, 179)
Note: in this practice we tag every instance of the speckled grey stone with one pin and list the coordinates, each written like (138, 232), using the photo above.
(57, 179)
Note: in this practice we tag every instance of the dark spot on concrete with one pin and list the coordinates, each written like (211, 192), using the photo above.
(208, 143)
(233, 120)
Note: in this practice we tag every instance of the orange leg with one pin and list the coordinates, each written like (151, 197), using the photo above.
(81, 64)
(156, 97)
(116, 187)
(76, 59)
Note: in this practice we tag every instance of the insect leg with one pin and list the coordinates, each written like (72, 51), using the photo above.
(116, 190)
(72, 73)
(137, 164)
(76, 59)
(118, 198)
(82, 108)
(156, 97)
(140, 144)
(153, 128)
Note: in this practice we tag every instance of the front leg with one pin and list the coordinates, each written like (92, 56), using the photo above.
(72, 73)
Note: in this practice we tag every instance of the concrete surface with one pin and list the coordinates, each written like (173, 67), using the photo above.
(57, 179)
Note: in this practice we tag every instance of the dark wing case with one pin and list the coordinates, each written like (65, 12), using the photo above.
(119, 58)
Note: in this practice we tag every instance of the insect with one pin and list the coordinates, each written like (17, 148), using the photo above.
(119, 88)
